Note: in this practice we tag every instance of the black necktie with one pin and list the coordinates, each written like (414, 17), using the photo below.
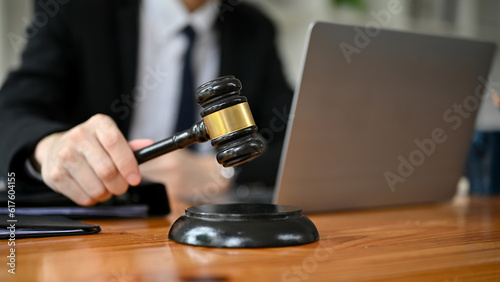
(185, 118)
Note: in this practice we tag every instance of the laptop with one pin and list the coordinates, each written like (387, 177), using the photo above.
(380, 118)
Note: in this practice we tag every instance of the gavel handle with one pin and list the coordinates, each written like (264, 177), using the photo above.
(196, 134)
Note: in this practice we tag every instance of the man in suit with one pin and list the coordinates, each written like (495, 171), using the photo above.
(89, 80)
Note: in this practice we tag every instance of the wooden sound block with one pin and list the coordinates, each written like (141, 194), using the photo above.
(243, 226)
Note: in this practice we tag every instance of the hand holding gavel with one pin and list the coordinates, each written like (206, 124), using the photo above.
(93, 160)
(227, 122)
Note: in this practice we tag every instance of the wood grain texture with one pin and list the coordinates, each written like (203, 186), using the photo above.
(455, 241)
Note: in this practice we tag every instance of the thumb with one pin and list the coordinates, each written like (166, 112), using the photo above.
(140, 143)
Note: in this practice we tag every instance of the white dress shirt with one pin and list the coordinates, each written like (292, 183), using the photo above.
(162, 46)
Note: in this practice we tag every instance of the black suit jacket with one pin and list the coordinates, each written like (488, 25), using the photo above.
(83, 61)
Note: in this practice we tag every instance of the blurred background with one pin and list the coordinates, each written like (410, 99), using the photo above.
(469, 18)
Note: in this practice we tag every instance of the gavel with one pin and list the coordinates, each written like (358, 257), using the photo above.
(226, 120)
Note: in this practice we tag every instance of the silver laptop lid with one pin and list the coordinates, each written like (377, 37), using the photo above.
(380, 118)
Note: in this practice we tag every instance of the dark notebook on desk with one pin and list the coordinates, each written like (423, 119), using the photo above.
(40, 212)
(148, 199)
(29, 226)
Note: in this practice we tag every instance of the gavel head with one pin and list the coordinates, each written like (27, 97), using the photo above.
(229, 121)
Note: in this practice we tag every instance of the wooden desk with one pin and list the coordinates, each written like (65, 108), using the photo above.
(457, 241)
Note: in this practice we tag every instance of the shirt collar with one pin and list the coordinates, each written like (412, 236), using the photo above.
(170, 17)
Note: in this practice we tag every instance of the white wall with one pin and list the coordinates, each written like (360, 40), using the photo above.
(14, 17)
(3, 32)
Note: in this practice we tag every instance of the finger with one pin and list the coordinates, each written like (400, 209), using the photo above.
(100, 167)
(117, 147)
(57, 177)
(89, 182)
(140, 143)
(73, 191)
